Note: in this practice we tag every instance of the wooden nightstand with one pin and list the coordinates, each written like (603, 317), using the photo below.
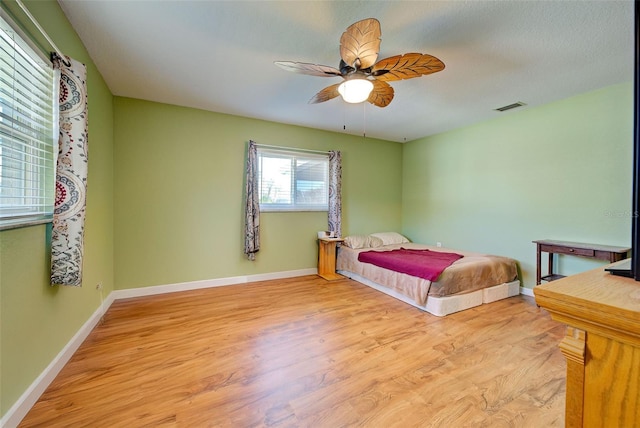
(327, 258)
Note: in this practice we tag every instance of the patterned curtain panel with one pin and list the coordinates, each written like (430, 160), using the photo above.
(335, 192)
(252, 207)
(71, 175)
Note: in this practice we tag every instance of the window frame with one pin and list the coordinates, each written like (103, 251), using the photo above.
(295, 156)
(32, 143)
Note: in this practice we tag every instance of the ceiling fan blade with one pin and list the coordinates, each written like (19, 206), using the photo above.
(328, 93)
(382, 94)
(360, 43)
(406, 66)
(306, 68)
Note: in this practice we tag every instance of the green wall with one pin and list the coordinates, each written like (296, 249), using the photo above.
(179, 181)
(561, 171)
(37, 320)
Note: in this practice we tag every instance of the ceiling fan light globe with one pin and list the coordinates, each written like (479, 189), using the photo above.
(355, 90)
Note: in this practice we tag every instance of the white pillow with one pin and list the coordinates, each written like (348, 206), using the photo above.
(390, 238)
(357, 241)
(375, 242)
(362, 241)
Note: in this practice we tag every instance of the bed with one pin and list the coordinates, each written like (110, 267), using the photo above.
(472, 280)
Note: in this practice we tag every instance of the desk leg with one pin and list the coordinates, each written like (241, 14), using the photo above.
(550, 270)
(538, 261)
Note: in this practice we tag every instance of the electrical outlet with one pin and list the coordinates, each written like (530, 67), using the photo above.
(99, 286)
(438, 244)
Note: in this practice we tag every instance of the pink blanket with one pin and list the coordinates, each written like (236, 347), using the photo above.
(421, 263)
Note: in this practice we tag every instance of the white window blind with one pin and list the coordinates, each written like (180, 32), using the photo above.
(27, 128)
(293, 181)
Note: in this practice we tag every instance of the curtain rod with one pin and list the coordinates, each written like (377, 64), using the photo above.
(293, 149)
(44, 33)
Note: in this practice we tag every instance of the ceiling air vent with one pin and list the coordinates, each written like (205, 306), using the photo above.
(511, 106)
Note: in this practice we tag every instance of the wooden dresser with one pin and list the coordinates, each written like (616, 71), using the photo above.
(602, 346)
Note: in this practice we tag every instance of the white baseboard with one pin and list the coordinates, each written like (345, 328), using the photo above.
(208, 283)
(526, 291)
(21, 407)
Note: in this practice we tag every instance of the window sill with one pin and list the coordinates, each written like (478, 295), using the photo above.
(24, 223)
(301, 210)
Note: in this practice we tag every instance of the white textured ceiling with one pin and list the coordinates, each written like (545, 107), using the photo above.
(218, 56)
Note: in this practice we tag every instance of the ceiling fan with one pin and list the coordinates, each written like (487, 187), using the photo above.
(364, 78)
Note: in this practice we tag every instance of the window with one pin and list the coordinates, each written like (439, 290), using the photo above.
(27, 130)
(293, 181)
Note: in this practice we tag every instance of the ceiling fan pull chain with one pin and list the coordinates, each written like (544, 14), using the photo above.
(364, 120)
(344, 118)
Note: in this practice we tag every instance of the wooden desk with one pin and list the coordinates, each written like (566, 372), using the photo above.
(594, 251)
(327, 258)
(601, 345)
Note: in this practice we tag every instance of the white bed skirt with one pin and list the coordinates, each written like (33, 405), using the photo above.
(441, 306)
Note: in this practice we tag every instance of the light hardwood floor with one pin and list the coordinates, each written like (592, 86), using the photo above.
(304, 352)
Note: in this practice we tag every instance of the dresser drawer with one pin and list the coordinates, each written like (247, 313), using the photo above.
(586, 252)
